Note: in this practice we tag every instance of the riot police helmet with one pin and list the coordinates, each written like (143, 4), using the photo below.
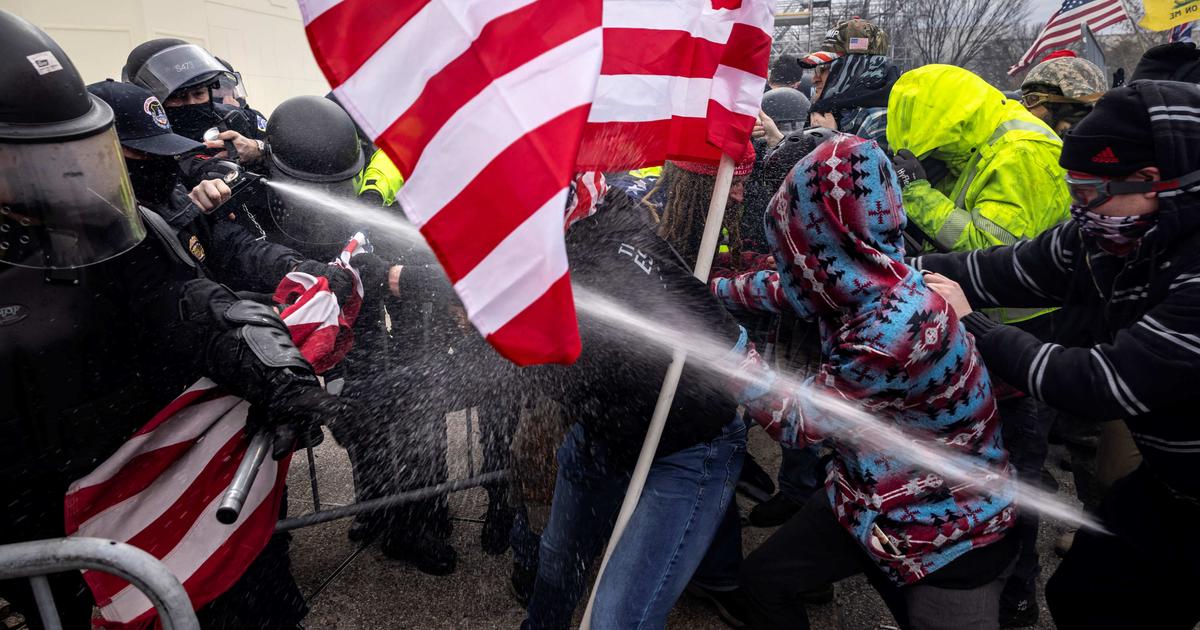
(65, 198)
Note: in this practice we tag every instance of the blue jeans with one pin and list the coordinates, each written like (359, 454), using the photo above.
(687, 498)
(800, 474)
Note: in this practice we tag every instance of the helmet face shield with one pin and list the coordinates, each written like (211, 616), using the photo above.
(178, 67)
(319, 217)
(66, 204)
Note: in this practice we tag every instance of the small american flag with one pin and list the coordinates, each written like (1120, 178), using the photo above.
(1181, 33)
(1064, 26)
(160, 491)
(488, 108)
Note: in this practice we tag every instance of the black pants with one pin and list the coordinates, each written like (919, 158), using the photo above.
(1145, 576)
(1026, 437)
(813, 550)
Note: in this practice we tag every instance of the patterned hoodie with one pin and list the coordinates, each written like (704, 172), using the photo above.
(890, 345)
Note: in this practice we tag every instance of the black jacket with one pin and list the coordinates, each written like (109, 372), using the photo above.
(1144, 311)
(612, 389)
(228, 252)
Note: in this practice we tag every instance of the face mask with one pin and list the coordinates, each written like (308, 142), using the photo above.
(1121, 232)
(153, 179)
(191, 121)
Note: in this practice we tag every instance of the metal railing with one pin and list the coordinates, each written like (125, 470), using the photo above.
(37, 559)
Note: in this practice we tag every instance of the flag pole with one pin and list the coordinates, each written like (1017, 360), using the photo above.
(666, 396)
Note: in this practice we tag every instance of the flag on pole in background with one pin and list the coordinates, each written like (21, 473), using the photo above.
(1064, 26)
(1181, 33)
(160, 491)
(681, 80)
(1164, 14)
(483, 104)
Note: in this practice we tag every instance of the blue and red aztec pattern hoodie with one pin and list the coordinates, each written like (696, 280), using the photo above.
(890, 346)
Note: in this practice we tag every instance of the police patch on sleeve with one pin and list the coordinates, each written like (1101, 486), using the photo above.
(262, 123)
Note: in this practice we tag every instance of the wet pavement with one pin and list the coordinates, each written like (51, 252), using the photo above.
(361, 589)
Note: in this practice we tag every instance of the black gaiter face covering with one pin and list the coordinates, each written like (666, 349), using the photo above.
(191, 121)
(153, 179)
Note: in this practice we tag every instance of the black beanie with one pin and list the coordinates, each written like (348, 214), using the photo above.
(1179, 61)
(1114, 140)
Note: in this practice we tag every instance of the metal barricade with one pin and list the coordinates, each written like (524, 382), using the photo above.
(37, 559)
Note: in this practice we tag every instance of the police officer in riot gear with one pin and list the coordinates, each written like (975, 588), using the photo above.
(183, 76)
(104, 319)
(313, 144)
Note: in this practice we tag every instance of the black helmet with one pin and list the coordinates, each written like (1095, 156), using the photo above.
(312, 139)
(787, 107)
(65, 199)
(167, 65)
(791, 150)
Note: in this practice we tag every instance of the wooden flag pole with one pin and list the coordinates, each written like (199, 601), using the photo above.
(666, 396)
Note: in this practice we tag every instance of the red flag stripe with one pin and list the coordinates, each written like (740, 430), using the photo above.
(509, 107)
(436, 36)
(160, 536)
(528, 272)
(646, 51)
(516, 39)
(462, 236)
(525, 337)
(346, 34)
(208, 535)
(650, 142)
(123, 521)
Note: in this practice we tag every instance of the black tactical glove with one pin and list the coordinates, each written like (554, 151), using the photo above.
(255, 358)
(373, 272)
(340, 280)
(908, 168)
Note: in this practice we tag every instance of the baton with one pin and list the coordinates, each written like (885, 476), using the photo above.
(243, 479)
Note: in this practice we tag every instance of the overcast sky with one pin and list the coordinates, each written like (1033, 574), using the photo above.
(1040, 10)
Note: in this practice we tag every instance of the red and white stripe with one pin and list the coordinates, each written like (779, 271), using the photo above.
(480, 104)
(1065, 26)
(681, 80)
(589, 188)
(160, 491)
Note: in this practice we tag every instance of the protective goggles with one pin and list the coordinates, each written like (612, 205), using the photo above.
(1033, 99)
(1092, 192)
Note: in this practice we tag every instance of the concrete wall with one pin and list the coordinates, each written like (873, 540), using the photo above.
(263, 39)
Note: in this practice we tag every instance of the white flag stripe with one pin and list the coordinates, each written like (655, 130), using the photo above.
(737, 91)
(521, 100)
(437, 35)
(640, 98)
(311, 9)
(182, 427)
(203, 539)
(681, 15)
(492, 304)
(323, 308)
(126, 519)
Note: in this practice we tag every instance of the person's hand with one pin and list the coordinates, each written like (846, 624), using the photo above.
(908, 168)
(394, 279)
(372, 198)
(765, 128)
(823, 119)
(296, 412)
(951, 292)
(248, 150)
(209, 194)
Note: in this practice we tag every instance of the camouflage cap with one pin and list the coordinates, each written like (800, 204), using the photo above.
(1076, 78)
(855, 36)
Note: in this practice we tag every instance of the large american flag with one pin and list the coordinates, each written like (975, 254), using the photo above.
(483, 106)
(1065, 25)
(160, 491)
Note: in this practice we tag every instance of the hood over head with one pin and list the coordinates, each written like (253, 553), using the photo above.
(836, 228)
(950, 112)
